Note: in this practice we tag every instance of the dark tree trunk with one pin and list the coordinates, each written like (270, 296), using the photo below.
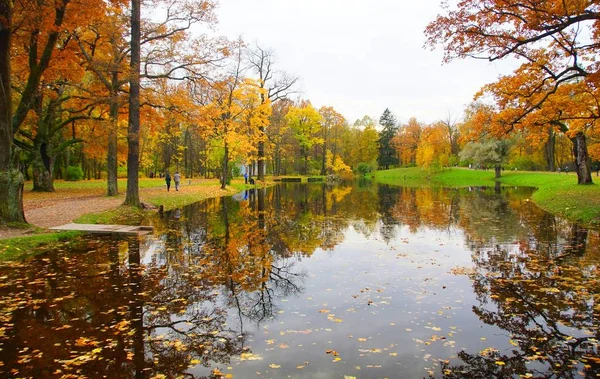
(112, 188)
(43, 163)
(498, 170)
(11, 179)
(225, 170)
(549, 149)
(133, 133)
(136, 307)
(582, 159)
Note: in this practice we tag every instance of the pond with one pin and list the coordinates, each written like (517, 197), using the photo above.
(315, 281)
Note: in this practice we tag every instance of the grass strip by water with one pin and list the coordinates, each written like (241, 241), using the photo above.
(188, 194)
(22, 247)
(556, 193)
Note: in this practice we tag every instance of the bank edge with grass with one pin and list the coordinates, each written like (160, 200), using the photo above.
(556, 193)
(22, 247)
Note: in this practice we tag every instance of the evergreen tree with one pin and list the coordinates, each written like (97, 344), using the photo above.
(387, 153)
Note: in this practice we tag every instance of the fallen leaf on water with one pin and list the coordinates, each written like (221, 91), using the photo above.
(250, 357)
(273, 365)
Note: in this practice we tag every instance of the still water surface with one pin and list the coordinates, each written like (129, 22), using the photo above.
(312, 281)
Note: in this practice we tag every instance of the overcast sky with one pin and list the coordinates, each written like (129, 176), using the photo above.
(360, 56)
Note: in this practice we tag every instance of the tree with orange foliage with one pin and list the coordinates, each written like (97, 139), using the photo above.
(560, 61)
(482, 147)
(406, 141)
(36, 30)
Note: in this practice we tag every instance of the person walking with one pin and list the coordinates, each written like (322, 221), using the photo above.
(177, 179)
(168, 180)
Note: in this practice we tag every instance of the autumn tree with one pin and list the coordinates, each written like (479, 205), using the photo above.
(36, 29)
(434, 147)
(277, 85)
(450, 126)
(305, 121)
(387, 154)
(279, 135)
(331, 124)
(406, 141)
(482, 147)
(559, 55)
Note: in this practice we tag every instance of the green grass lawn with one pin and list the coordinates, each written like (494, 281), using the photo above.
(556, 193)
(22, 247)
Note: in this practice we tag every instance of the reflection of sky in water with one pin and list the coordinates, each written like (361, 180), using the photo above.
(386, 309)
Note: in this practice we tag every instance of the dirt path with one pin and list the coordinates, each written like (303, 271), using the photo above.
(48, 209)
(52, 211)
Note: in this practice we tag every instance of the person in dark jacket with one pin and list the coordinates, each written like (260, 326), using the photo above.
(168, 181)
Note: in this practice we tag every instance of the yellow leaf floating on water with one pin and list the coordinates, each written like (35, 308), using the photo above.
(250, 357)
(273, 365)
(362, 339)
(349, 377)
(500, 363)
(337, 359)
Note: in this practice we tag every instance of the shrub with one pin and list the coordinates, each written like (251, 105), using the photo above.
(527, 163)
(74, 173)
(363, 168)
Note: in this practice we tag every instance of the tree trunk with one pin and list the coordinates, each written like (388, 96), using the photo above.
(498, 170)
(305, 161)
(324, 160)
(133, 133)
(549, 149)
(11, 179)
(582, 159)
(42, 171)
(225, 170)
(112, 188)
(11, 201)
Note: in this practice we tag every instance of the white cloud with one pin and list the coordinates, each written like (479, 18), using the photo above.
(360, 56)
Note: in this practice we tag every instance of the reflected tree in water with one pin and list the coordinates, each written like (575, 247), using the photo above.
(548, 306)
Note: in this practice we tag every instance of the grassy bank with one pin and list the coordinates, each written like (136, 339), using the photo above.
(22, 247)
(556, 193)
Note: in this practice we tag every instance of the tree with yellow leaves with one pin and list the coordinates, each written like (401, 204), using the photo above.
(305, 121)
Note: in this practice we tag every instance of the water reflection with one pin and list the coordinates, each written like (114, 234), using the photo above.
(267, 281)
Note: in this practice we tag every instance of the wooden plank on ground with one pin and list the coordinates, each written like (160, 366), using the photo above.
(106, 229)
